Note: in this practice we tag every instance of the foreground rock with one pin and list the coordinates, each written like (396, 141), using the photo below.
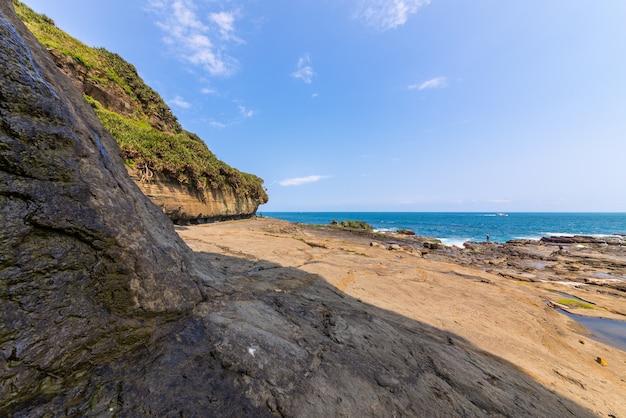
(104, 311)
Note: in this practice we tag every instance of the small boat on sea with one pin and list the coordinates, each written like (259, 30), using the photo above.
(503, 214)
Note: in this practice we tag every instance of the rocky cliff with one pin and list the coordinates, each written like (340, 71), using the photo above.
(185, 204)
(150, 137)
(104, 311)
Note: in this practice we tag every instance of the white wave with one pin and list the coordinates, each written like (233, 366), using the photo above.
(384, 230)
(457, 242)
(530, 237)
(569, 234)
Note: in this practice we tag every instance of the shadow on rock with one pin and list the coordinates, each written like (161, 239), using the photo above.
(283, 342)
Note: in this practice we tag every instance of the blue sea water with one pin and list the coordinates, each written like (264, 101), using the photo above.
(455, 228)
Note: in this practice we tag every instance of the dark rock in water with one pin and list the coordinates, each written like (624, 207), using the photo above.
(105, 311)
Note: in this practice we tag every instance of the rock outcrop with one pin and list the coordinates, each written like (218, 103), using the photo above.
(185, 204)
(619, 240)
(104, 311)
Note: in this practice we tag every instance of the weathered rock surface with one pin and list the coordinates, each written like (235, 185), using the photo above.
(104, 311)
(181, 203)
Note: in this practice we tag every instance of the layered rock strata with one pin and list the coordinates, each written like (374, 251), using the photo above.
(104, 311)
(184, 204)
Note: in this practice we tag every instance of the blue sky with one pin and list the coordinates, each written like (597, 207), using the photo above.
(398, 105)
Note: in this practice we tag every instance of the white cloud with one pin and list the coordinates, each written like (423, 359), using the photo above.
(433, 83)
(245, 112)
(225, 22)
(217, 124)
(242, 114)
(201, 43)
(207, 90)
(298, 181)
(180, 102)
(304, 70)
(387, 14)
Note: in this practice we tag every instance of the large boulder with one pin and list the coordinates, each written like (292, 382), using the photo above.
(104, 311)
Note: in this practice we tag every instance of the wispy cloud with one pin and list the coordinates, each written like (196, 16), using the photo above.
(201, 42)
(433, 83)
(387, 14)
(304, 70)
(243, 113)
(180, 102)
(217, 124)
(298, 181)
(225, 22)
(246, 113)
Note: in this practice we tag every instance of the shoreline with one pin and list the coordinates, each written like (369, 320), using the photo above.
(489, 295)
(454, 228)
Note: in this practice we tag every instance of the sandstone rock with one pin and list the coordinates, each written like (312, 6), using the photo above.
(181, 203)
(431, 245)
(104, 311)
(601, 361)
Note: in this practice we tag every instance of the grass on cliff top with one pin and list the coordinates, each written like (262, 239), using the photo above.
(163, 146)
(103, 68)
(183, 157)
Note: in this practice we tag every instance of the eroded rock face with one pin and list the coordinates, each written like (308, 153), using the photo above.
(182, 203)
(104, 311)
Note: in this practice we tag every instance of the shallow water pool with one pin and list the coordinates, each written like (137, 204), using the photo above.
(608, 331)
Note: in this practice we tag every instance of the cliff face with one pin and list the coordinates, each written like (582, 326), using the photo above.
(183, 204)
(202, 186)
(104, 311)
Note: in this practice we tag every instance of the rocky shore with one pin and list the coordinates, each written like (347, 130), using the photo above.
(497, 298)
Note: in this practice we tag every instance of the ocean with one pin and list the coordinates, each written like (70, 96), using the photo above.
(455, 228)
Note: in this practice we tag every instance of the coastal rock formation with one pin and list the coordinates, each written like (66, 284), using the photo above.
(182, 204)
(184, 178)
(104, 311)
(179, 202)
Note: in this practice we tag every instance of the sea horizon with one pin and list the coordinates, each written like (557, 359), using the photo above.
(455, 228)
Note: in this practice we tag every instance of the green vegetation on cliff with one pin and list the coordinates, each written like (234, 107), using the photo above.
(149, 135)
